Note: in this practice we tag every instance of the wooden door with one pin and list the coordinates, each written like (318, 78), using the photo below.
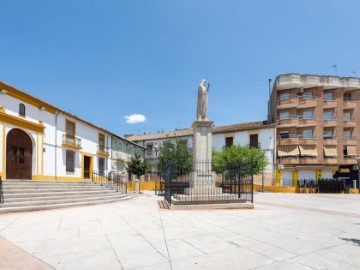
(87, 161)
(18, 155)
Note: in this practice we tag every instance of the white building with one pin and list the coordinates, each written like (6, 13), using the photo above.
(253, 134)
(42, 142)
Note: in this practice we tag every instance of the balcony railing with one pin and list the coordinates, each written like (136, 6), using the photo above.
(295, 136)
(102, 149)
(349, 99)
(329, 137)
(349, 137)
(307, 117)
(306, 97)
(254, 145)
(71, 140)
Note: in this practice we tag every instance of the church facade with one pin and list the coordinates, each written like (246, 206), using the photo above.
(42, 142)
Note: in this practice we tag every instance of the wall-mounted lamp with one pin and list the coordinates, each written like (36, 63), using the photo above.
(42, 108)
(3, 91)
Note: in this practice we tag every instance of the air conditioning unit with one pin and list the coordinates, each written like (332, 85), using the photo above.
(280, 166)
(300, 90)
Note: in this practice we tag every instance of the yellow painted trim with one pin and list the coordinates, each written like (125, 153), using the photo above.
(18, 121)
(319, 174)
(101, 154)
(72, 147)
(12, 92)
(58, 178)
(3, 175)
(37, 153)
(295, 176)
(91, 156)
(278, 177)
(42, 154)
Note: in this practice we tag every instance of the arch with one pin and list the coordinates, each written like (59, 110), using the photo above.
(18, 155)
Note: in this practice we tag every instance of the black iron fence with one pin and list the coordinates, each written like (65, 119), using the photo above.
(110, 180)
(1, 192)
(327, 185)
(200, 184)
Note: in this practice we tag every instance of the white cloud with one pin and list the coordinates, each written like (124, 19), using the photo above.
(135, 118)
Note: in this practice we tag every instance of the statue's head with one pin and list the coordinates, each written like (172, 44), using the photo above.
(202, 82)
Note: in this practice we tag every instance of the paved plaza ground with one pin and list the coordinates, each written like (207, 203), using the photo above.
(284, 231)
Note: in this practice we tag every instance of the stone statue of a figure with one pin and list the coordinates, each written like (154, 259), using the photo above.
(202, 101)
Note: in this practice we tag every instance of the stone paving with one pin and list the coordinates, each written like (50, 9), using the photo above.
(284, 231)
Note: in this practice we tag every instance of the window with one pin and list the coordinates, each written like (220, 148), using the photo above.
(149, 149)
(347, 97)
(308, 95)
(347, 116)
(102, 142)
(284, 134)
(309, 114)
(328, 134)
(328, 96)
(70, 129)
(70, 161)
(347, 134)
(254, 143)
(307, 134)
(284, 96)
(229, 141)
(284, 115)
(328, 115)
(101, 165)
(22, 109)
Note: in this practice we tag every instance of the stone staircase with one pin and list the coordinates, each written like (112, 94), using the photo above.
(28, 195)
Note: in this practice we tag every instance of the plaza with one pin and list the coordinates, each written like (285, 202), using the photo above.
(284, 231)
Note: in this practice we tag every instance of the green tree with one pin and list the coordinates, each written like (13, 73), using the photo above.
(237, 155)
(177, 152)
(137, 165)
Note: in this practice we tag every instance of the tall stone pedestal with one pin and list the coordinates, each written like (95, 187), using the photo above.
(202, 150)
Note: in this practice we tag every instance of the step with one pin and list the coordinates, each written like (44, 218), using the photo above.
(57, 206)
(47, 194)
(58, 189)
(59, 201)
(52, 196)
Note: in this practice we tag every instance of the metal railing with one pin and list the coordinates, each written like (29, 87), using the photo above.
(1, 191)
(71, 140)
(254, 145)
(201, 185)
(110, 180)
(295, 136)
(102, 149)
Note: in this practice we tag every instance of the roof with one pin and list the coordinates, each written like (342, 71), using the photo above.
(16, 93)
(189, 131)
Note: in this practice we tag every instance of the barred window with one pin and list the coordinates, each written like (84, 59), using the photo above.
(101, 165)
(70, 161)
(22, 109)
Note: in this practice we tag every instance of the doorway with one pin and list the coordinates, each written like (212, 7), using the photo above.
(87, 165)
(18, 155)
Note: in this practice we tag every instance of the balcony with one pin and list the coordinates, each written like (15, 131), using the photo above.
(307, 120)
(289, 102)
(307, 101)
(330, 121)
(349, 122)
(288, 121)
(295, 139)
(102, 150)
(330, 139)
(71, 142)
(349, 103)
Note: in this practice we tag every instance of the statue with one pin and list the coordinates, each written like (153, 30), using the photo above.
(202, 101)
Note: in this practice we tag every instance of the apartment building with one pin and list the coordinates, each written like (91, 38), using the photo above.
(42, 142)
(259, 134)
(317, 127)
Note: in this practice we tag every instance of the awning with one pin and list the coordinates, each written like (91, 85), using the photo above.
(287, 150)
(308, 150)
(351, 150)
(330, 150)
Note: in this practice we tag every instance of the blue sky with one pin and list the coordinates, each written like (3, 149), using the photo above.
(105, 60)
